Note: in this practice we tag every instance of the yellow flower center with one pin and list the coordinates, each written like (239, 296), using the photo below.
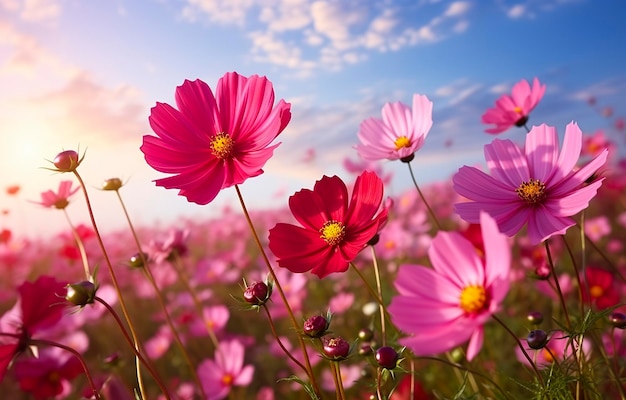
(227, 379)
(547, 354)
(222, 146)
(333, 232)
(61, 204)
(473, 299)
(401, 142)
(532, 192)
(596, 291)
(518, 109)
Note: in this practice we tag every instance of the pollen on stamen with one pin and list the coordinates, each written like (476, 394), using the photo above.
(473, 299)
(222, 145)
(532, 191)
(402, 142)
(333, 232)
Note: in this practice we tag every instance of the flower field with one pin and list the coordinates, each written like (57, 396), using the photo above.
(506, 281)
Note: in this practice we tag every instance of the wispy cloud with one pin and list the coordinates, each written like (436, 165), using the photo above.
(306, 35)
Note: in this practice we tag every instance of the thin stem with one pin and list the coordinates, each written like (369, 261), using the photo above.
(184, 279)
(280, 343)
(412, 387)
(148, 366)
(557, 284)
(114, 281)
(334, 373)
(342, 390)
(309, 369)
(94, 390)
(168, 318)
(464, 368)
(381, 304)
(81, 246)
(521, 347)
(430, 210)
(367, 285)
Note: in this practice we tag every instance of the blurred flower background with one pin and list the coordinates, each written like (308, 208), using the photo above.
(85, 74)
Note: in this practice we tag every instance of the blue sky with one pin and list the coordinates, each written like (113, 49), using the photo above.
(83, 73)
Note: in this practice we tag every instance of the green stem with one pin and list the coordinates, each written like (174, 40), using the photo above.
(430, 210)
(168, 318)
(114, 281)
(81, 247)
(309, 369)
(146, 364)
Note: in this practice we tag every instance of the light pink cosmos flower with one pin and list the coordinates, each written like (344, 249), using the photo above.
(514, 109)
(400, 133)
(446, 305)
(537, 185)
(212, 142)
(60, 198)
(227, 370)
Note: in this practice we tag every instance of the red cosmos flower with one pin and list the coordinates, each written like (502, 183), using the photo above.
(601, 288)
(39, 307)
(13, 190)
(47, 376)
(514, 109)
(213, 142)
(333, 232)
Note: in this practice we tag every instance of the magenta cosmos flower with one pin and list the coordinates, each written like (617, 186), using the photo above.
(446, 305)
(213, 142)
(60, 198)
(514, 109)
(333, 231)
(399, 134)
(227, 370)
(536, 185)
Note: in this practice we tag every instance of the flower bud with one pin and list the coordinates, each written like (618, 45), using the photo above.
(374, 240)
(66, 161)
(316, 326)
(112, 184)
(81, 293)
(365, 349)
(366, 334)
(257, 293)
(386, 357)
(336, 348)
(618, 320)
(542, 272)
(535, 317)
(137, 261)
(537, 339)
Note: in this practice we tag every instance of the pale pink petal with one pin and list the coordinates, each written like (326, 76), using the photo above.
(542, 146)
(455, 257)
(506, 162)
(475, 343)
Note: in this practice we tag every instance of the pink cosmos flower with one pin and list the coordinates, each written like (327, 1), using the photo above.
(455, 297)
(514, 109)
(212, 142)
(559, 346)
(227, 370)
(400, 133)
(60, 198)
(535, 185)
(597, 228)
(49, 375)
(39, 307)
(333, 231)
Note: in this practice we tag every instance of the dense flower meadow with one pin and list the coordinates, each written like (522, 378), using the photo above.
(505, 282)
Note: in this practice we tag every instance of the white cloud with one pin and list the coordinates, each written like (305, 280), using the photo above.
(33, 10)
(226, 12)
(457, 9)
(517, 11)
(305, 35)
